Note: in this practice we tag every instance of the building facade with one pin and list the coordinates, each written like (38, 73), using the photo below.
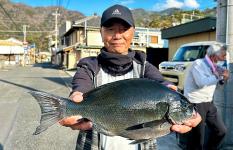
(199, 30)
(82, 40)
(11, 52)
(148, 37)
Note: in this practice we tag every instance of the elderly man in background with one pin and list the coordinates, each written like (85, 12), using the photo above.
(200, 84)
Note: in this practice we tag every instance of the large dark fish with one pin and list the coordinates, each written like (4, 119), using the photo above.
(138, 109)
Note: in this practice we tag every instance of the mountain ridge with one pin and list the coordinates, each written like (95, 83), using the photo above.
(14, 16)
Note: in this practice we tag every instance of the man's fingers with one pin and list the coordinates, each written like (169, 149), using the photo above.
(76, 97)
(181, 128)
(197, 120)
(83, 125)
(194, 121)
(70, 121)
(172, 87)
(188, 124)
(76, 123)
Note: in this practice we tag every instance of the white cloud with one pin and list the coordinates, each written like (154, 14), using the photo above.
(191, 4)
(124, 2)
(168, 4)
(176, 4)
(173, 3)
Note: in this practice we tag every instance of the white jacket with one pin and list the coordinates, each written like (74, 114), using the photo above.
(200, 82)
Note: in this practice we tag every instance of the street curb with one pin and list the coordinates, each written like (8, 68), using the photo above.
(70, 73)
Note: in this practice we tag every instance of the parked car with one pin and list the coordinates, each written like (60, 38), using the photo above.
(176, 69)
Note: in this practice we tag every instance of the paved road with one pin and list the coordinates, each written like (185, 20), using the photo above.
(20, 114)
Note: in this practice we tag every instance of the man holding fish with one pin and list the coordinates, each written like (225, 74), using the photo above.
(115, 62)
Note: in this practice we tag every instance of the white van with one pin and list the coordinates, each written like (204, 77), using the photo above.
(175, 70)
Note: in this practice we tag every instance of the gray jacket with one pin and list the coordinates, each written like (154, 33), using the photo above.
(85, 80)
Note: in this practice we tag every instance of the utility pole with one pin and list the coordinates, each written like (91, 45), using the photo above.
(56, 14)
(24, 43)
(223, 95)
(85, 25)
(25, 33)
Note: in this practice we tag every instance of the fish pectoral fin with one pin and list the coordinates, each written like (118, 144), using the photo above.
(154, 123)
(135, 127)
(150, 124)
(102, 130)
(165, 124)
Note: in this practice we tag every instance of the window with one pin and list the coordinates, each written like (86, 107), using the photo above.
(190, 53)
(154, 39)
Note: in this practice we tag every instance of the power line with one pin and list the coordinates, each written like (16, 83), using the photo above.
(14, 35)
(23, 21)
(8, 16)
(52, 2)
(5, 25)
(67, 4)
(10, 31)
(59, 5)
(35, 28)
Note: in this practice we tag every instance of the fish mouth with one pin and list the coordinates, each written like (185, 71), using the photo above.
(173, 122)
(189, 113)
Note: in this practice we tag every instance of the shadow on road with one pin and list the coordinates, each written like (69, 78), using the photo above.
(63, 81)
(19, 85)
(66, 81)
(47, 65)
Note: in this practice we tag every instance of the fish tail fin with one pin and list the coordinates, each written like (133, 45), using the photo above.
(52, 109)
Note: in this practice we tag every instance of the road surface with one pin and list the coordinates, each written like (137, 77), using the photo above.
(20, 113)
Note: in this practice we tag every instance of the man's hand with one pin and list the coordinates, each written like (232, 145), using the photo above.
(76, 122)
(225, 74)
(172, 87)
(76, 96)
(188, 124)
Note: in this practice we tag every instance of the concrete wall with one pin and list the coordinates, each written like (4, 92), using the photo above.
(175, 43)
(72, 63)
(72, 57)
(94, 38)
(89, 52)
(80, 37)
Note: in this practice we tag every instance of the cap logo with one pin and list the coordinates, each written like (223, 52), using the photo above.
(116, 12)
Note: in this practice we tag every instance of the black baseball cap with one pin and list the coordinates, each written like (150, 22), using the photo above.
(117, 12)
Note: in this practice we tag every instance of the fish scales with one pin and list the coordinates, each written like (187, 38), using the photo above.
(138, 109)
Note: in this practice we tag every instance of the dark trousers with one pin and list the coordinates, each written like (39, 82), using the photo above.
(90, 140)
(208, 112)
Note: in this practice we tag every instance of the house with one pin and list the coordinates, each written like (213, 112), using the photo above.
(148, 37)
(79, 42)
(82, 40)
(11, 52)
(199, 30)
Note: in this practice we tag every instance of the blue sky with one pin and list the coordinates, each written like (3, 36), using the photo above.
(89, 7)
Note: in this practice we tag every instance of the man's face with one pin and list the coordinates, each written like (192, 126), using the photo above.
(221, 56)
(117, 37)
